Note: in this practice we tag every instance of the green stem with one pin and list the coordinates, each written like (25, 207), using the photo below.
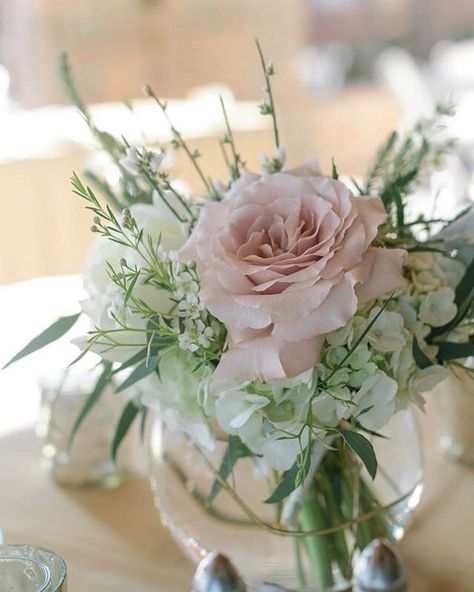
(299, 562)
(230, 137)
(269, 92)
(312, 516)
(378, 525)
(337, 517)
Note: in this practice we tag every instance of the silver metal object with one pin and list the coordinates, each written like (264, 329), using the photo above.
(215, 573)
(380, 568)
(27, 568)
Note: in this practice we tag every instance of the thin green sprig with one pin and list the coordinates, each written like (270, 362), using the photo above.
(178, 140)
(234, 168)
(267, 107)
(400, 163)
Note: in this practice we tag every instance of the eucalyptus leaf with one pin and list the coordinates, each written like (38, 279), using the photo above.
(235, 450)
(448, 350)
(125, 422)
(102, 382)
(139, 373)
(55, 331)
(138, 357)
(363, 448)
(290, 481)
(421, 359)
(143, 421)
(465, 288)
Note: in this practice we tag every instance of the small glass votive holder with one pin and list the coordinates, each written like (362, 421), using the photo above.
(455, 402)
(27, 568)
(88, 461)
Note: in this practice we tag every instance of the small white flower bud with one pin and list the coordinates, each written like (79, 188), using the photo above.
(156, 161)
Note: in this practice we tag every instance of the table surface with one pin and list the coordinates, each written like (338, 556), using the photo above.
(112, 540)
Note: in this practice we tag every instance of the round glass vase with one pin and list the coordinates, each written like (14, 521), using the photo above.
(455, 402)
(308, 542)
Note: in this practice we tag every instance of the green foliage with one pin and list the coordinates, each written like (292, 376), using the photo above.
(130, 190)
(421, 359)
(294, 477)
(464, 300)
(235, 450)
(267, 106)
(400, 163)
(363, 448)
(138, 373)
(234, 168)
(132, 361)
(103, 381)
(55, 331)
(129, 414)
(465, 288)
(179, 142)
(448, 350)
(359, 340)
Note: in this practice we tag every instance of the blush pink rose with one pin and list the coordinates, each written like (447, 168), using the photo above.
(284, 259)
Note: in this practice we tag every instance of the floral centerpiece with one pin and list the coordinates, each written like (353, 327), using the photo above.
(281, 318)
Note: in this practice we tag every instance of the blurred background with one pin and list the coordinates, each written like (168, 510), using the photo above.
(349, 71)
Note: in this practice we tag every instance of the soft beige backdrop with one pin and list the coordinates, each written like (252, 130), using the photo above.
(45, 228)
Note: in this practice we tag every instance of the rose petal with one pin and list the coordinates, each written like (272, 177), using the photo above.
(379, 273)
(267, 359)
(334, 312)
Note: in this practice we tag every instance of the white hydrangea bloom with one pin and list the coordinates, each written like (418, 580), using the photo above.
(341, 336)
(358, 377)
(388, 332)
(420, 261)
(426, 281)
(325, 408)
(406, 305)
(177, 394)
(242, 413)
(438, 307)
(375, 401)
(426, 379)
(449, 270)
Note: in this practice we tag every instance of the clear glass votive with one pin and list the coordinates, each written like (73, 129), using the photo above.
(455, 402)
(26, 568)
(88, 462)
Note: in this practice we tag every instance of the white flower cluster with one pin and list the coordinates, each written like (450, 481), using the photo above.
(368, 385)
(434, 279)
(274, 164)
(179, 395)
(195, 328)
(134, 161)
